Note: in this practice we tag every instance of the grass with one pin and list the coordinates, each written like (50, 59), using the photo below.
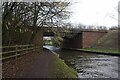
(61, 70)
(102, 50)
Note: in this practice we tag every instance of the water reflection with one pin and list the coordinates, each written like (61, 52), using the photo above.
(52, 48)
(90, 65)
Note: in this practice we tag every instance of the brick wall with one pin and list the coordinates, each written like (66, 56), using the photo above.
(89, 38)
(38, 39)
(84, 39)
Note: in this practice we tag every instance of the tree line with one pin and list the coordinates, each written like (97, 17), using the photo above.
(22, 20)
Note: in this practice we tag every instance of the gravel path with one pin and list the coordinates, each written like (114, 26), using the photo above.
(33, 65)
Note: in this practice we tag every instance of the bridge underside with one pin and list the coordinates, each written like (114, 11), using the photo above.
(48, 34)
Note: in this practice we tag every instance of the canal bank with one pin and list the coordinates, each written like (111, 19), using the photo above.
(97, 51)
(90, 65)
(101, 51)
(59, 69)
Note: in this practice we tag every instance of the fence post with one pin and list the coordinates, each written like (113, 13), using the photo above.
(16, 48)
(27, 50)
(16, 54)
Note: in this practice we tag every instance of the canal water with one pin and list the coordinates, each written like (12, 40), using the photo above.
(89, 65)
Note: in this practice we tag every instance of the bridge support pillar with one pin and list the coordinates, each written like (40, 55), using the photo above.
(38, 39)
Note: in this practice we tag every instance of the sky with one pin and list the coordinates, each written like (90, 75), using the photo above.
(94, 12)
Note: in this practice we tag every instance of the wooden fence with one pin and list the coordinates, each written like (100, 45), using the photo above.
(17, 50)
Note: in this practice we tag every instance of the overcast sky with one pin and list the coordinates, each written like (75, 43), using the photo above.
(94, 12)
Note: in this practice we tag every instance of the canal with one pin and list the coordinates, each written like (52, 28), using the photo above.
(89, 65)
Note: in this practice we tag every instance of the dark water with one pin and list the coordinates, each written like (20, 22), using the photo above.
(89, 65)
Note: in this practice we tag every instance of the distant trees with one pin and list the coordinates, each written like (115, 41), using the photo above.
(100, 28)
(81, 27)
(21, 20)
(114, 28)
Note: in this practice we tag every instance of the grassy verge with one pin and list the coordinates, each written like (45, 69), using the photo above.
(101, 50)
(61, 70)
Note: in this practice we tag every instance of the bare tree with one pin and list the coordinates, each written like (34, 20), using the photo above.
(27, 17)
